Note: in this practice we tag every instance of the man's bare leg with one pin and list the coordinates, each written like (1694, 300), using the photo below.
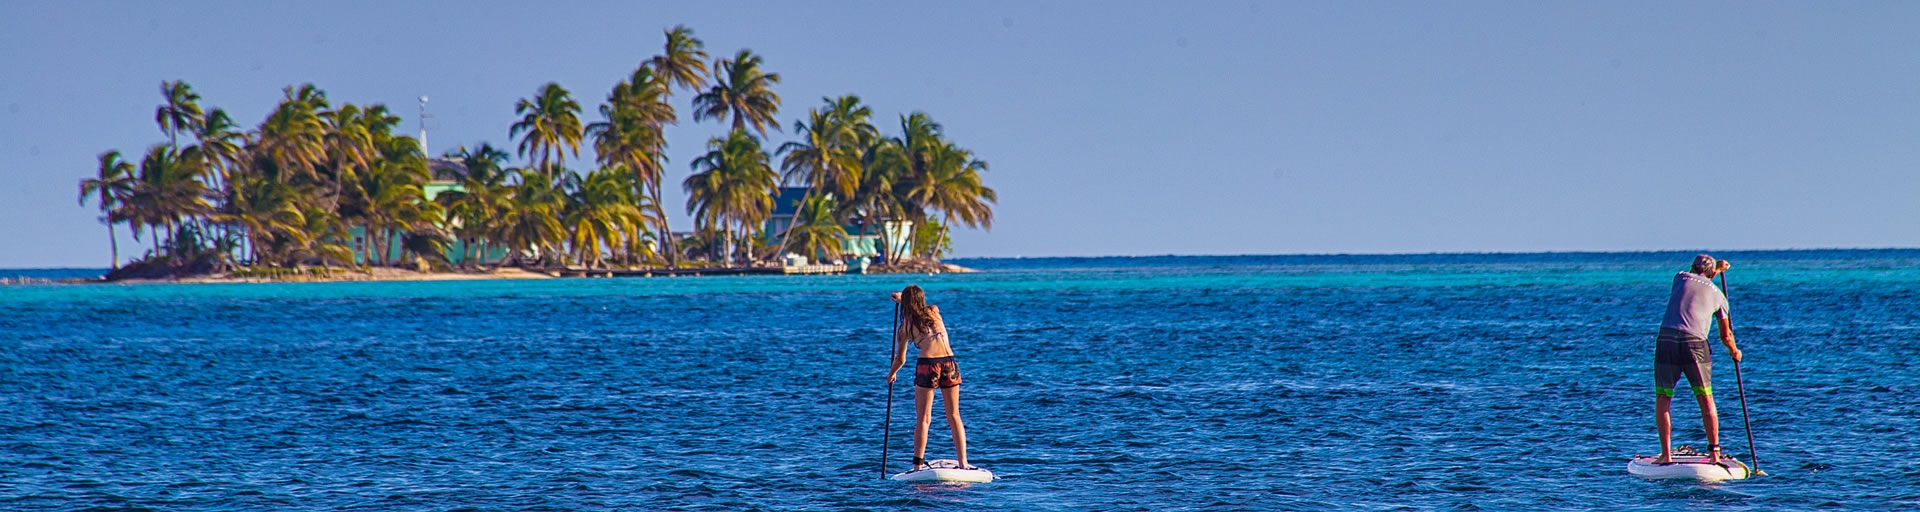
(1710, 421)
(1663, 419)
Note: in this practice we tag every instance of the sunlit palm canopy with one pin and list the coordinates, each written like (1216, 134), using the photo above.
(732, 183)
(293, 138)
(683, 61)
(181, 110)
(550, 122)
(742, 92)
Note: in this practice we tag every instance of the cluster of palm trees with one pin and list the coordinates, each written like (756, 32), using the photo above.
(286, 193)
(331, 185)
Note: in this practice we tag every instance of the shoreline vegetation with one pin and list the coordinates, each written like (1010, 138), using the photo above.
(326, 191)
(383, 274)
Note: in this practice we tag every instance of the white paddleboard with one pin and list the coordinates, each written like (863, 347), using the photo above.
(1692, 466)
(945, 471)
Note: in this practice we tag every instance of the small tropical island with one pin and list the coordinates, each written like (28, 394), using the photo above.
(325, 191)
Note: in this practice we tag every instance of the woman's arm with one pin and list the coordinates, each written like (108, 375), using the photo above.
(899, 353)
(899, 341)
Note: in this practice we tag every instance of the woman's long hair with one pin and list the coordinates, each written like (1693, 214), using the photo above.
(914, 301)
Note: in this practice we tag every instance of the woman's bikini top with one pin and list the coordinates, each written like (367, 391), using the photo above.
(929, 336)
(925, 337)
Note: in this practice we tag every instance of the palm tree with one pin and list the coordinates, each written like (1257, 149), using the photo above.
(603, 213)
(733, 185)
(221, 142)
(550, 121)
(180, 112)
(848, 112)
(474, 211)
(816, 231)
(485, 163)
(827, 159)
(740, 91)
(644, 97)
(874, 201)
(113, 186)
(395, 204)
(269, 213)
(922, 171)
(362, 143)
(293, 137)
(894, 166)
(348, 144)
(683, 62)
(530, 225)
(322, 240)
(167, 189)
(951, 184)
(391, 200)
(631, 139)
(629, 135)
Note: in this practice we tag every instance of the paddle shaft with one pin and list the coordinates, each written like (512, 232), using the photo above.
(1746, 423)
(886, 432)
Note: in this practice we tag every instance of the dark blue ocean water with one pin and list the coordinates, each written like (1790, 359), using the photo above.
(1434, 382)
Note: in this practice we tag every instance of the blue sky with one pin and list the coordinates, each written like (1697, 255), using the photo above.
(1112, 128)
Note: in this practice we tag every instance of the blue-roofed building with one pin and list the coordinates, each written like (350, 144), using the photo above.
(786, 204)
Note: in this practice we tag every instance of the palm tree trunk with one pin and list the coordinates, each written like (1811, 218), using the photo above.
(746, 244)
(883, 243)
(905, 237)
(666, 230)
(168, 245)
(786, 235)
(113, 242)
(384, 247)
(366, 244)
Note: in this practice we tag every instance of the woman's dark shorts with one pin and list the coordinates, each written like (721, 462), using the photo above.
(1677, 353)
(936, 372)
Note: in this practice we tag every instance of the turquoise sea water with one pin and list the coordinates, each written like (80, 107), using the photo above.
(1427, 382)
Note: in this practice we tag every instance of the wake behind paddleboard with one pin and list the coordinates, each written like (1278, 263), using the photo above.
(945, 471)
(1692, 466)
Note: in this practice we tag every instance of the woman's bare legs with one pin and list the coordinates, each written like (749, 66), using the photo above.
(923, 413)
(952, 400)
(923, 405)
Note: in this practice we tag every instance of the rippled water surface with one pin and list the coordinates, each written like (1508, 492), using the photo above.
(1450, 382)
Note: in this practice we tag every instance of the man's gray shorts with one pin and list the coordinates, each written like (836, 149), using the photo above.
(1677, 353)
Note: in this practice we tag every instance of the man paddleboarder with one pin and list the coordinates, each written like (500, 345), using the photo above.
(1681, 349)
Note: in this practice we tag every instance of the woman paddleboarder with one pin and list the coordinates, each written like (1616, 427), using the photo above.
(935, 369)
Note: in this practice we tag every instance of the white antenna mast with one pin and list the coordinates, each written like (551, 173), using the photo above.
(423, 128)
